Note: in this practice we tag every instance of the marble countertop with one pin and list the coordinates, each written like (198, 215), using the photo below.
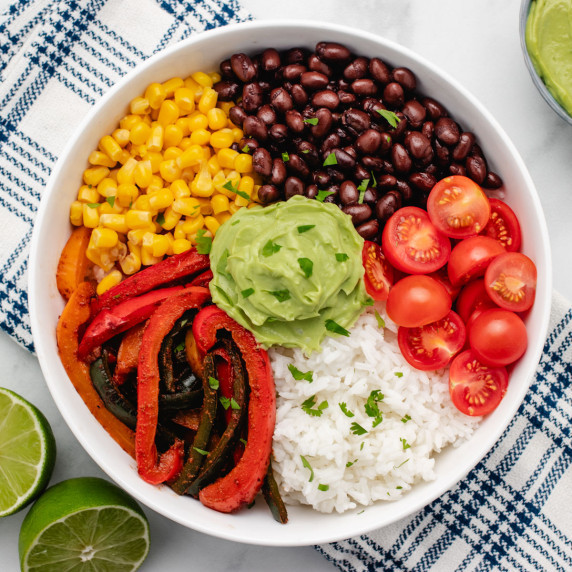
(477, 43)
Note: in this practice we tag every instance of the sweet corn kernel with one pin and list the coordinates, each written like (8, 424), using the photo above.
(101, 159)
(126, 172)
(226, 157)
(147, 258)
(188, 206)
(191, 226)
(139, 106)
(191, 83)
(172, 85)
(126, 195)
(179, 232)
(106, 208)
(180, 189)
(109, 146)
(131, 263)
(226, 106)
(237, 134)
(217, 119)
(104, 237)
(173, 135)
(185, 99)
(135, 237)
(190, 156)
(129, 121)
(94, 175)
(185, 143)
(139, 133)
(161, 199)
(243, 163)
(107, 282)
(202, 79)
(208, 100)
(115, 222)
(197, 120)
(188, 174)
(170, 170)
(233, 207)
(76, 213)
(213, 165)
(156, 159)
(200, 137)
(142, 203)
(90, 216)
(143, 174)
(170, 218)
(138, 219)
(202, 184)
(183, 124)
(212, 224)
(221, 139)
(157, 244)
(219, 203)
(206, 207)
(215, 77)
(168, 113)
(231, 181)
(246, 185)
(121, 136)
(223, 217)
(172, 153)
(88, 194)
(181, 245)
(193, 237)
(155, 94)
(155, 141)
(107, 187)
(124, 156)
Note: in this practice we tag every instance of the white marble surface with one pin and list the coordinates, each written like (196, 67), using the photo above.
(475, 41)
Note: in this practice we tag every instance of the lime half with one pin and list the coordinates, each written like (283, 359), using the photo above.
(27, 452)
(84, 524)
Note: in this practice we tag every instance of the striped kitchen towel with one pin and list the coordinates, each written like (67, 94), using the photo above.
(514, 509)
(57, 58)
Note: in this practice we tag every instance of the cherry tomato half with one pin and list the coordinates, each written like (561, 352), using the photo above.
(412, 244)
(417, 300)
(458, 207)
(378, 276)
(498, 337)
(443, 278)
(433, 345)
(503, 226)
(470, 258)
(510, 281)
(473, 297)
(475, 388)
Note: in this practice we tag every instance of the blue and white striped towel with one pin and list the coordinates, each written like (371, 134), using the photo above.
(512, 512)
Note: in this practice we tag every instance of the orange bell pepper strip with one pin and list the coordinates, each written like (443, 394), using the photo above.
(152, 467)
(242, 483)
(128, 353)
(73, 263)
(75, 314)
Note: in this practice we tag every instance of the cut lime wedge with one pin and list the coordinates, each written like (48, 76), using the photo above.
(84, 524)
(27, 452)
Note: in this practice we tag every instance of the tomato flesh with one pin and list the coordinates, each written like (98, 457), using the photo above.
(458, 207)
(432, 346)
(510, 281)
(473, 297)
(470, 258)
(475, 388)
(417, 300)
(378, 276)
(498, 337)
(503, 226)
(412, 244)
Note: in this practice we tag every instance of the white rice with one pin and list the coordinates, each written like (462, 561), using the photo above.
(418, 420)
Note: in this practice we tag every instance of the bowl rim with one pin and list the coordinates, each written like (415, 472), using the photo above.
(536, 79)
(43, 350)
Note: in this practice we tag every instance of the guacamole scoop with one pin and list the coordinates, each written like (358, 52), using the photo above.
(286, 271)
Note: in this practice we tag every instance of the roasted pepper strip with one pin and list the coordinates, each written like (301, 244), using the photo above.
(75, 315)
(128, 353)
(272, 497)
(110, 322)
(73, 263)
(153, 468)
(165, 272)
(241, 485)
(202, 279)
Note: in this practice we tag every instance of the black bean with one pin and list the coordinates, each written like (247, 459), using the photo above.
(295, 121)
(370, 196)
(386, 182)
(336, 175)
(308, 152)
(405, 77)
(423, 181)
(321, 178)
(361, 173)
(393, 94)
(348, 193)
(293, 186)
(356, 119)
(332, 52)
(359, 213)
(369, 141)
(456, 169)
(314, 80)
(404, 190)
(400, 158)
(281, 100)
(476, 169)
(372, 162)
(387, 205)
(292, 72)
(237, 115)
(347, 99)
(268, 194)
(379, 71)
(344, 159)
(226, 70)
(414, 112)
(278, 132)
(434, 108)
(331, 141)
(296, 55)
(298, 167)
(368, 230)
(316, 64)
(242, 67)
(266, 114)
(443, 154)
(227, 90)
(279, 173)
(262, 162)
(356, 69)
(299, 95)
(326, 98)
(270, 60)
(254, 127)
(492, 181)
(418, 145)
(447, 131)
(428, 129)
(364, 87)
(325, 120)
(252, 144)
(252, 97)
(465, 144)
(311, 191)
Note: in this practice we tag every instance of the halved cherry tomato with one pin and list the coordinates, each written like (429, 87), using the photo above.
(475, 388)
(458, 207)
(443, 278)
(510, 281)
(433, 345)
(498, 337)
(417, 300)
(503, 226)
(473, 297)
(470, 258)
(378, 275)
(412, 244)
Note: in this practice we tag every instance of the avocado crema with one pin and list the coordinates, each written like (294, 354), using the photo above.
(286, 270)
(549, 44)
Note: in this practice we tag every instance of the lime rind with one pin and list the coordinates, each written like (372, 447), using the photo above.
(27, 452)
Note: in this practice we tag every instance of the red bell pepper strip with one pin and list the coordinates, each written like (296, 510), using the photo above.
(242, 483)
(165, 272)
(153, 468)
(202, 279)
(113, 321)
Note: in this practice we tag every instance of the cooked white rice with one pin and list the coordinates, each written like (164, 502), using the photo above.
(418, 420)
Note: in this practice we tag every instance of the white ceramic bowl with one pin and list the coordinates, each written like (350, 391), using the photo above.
(204, 52)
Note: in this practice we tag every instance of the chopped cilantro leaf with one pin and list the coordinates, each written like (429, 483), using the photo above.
(362, 189)
(160, 219)
(323, 194)
(280, 295)
(221, 265)
(371, 405)
(204, 243)
(357, 429)
(270, 248)
(374, 184)
(401, 465)
(285, 156)
(300, 375)
(230, 187)
(93, 205)
(200, 451)
(248, 292)
(213, 383)
(307, 266)
(406, 419)
(405, 444)
(350, 463)
(305, 228)
(309, 467)
(389, 116)
(398, 374)
(331, 159)
(110, 201)
(234, 404)
(225, 402)
(246, 149)
(308, 407)
(323, 487)
(311, 120)
(380, 320)
(224, 295)
(345, 410)
(342, 256)
(332, 326)
(180, 347)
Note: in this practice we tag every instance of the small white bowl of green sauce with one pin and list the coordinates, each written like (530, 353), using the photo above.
(546, 38)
